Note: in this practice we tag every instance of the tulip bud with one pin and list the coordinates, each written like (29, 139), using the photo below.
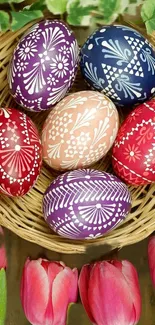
(151, 258)
(47, 289)
(110, 293)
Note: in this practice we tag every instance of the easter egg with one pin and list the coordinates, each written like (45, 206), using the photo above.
(79, 130)
(120, 62)
(134, 148)
(43, 65)
(20, 153)
(85, 203)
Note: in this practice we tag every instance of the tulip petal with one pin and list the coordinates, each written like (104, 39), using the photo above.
(108, 296)
(131, 276)
(83, 288)
(117, 264)
(74, 289)
(53, 269)
(64, 291)
(3, 258)
(151, 258)
(35, 292)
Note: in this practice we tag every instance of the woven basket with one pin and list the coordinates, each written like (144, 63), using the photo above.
(24, 216)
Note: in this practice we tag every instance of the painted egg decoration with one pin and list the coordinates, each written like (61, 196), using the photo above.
(120, 62)
(85, 203)
(79, 130)
(44, 65)
(134, 148)
(20, 153)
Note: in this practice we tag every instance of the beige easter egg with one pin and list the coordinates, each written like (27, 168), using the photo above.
(79, 130)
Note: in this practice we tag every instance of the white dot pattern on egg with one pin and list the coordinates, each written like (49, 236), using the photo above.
(79, 130)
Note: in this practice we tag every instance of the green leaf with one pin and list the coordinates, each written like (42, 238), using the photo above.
(79, 12)
(133, 1)
(148, 15)
(3, 296)
(38, 5)
(111, 9)
(148, 9)
(21, 18)
(9, 1)
(132, 8)
(123, 5)
(150, 25)
(4, 20)
(56, 6)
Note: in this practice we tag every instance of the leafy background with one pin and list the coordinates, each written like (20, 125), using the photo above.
(15, 14)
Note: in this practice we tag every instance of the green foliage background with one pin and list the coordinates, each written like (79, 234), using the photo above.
(76, 12)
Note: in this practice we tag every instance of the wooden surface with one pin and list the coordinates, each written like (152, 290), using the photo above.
(18, 250)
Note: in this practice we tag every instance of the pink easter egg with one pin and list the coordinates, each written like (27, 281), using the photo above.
(79, 130)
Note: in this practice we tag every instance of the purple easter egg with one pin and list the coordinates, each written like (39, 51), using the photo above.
(43, 65)
(85, 203)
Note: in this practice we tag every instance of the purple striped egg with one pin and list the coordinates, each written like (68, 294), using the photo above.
(43, 65)
(85, 203)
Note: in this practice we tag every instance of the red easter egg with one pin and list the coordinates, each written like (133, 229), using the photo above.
(20, 152)
(133, 156)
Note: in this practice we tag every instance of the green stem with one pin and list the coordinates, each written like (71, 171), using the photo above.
(12, 6)
(96, 13)
(119, 19)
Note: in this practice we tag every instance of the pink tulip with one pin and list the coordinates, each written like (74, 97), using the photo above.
(3, 258)
(110, 293)
(47, 289)
(151, 258)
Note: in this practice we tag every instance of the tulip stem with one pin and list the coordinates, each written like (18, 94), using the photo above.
(3, 296)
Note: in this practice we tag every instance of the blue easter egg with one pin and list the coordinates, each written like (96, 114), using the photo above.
(120, 62)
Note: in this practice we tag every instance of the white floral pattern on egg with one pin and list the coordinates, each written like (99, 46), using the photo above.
(43, 65)
(79, 130)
